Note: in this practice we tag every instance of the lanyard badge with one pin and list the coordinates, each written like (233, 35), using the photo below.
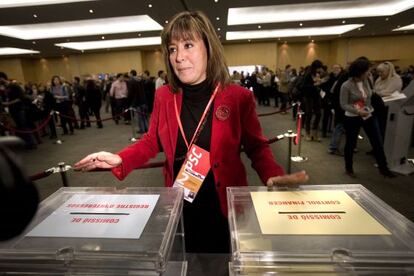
(197, 162)
(193, 172)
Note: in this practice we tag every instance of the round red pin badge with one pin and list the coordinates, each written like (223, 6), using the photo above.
(223, 112)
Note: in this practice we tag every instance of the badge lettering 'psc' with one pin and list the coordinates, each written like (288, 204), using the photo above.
(193, 172)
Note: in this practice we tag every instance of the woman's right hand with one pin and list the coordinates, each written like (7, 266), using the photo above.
(98, 160)
(363, 113)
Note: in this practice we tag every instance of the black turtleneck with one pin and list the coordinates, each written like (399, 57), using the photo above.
(206, 229)
(195, 99)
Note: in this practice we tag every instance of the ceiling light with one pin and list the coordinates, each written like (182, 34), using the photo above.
(166, 21)
(103, 37)
(16, 51)
(259, 27)
(316, 11)
(110, 25)
(90, 11)
(217, 18)
(312, 40)
(23, 3)
(404, 28)
(35, 15)
(218, 29)
(149, 6)
(216, 1)
(301, 24)
(343, 21)
(115, 43)
(295, 32)
(386, 19)
(139, 34)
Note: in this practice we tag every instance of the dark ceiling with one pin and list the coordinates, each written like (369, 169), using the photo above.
(163, 10)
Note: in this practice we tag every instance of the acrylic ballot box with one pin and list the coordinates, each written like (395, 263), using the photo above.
(317, 230)
(50, 247)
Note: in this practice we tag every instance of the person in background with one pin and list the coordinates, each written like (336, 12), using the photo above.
(355, 99)
(200, 94)
(94, 100)
(63, 103)
(160, 80)
(339, 129)
(137, 99)
(266, 84)
(47, 105)
(149, 87)
(80, 101)
(119, 92)
(284, 87)
(18, 105)
(327, 100)
(312, 99)
(388, 81)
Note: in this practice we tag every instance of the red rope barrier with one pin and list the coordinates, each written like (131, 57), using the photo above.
(40, 175)
(273, 113)
(42, 125)
(298, 126)
(161, 164)
(92, 121)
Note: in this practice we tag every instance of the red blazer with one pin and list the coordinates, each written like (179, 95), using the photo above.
(235, 124)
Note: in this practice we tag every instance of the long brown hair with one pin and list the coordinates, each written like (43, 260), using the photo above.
(191, 26)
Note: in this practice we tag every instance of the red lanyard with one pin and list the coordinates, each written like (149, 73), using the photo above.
(203, 117)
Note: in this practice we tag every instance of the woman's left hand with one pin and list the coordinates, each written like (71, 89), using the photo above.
(288, 179)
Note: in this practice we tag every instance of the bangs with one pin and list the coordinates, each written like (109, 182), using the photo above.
(184, 29)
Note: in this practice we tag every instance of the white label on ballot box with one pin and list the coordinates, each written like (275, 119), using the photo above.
(313, 213)
(99, 216)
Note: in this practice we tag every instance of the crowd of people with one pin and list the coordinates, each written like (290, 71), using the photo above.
(319, 90)
(24, 109)
(316, 88)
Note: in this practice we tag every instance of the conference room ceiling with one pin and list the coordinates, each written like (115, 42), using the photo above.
(163, 10)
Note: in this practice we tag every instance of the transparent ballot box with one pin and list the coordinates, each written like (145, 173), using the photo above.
(317, 230)
(101, 231)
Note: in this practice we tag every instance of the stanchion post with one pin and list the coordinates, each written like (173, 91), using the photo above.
(58, 141)
(62, 170)
(133, 123)
(299, 157)
(290, 135)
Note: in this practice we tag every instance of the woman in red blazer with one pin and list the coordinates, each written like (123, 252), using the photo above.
(200, 107)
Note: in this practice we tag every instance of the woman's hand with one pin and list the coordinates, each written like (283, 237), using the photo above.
(288, 179)
(363, 113)
(98, 160)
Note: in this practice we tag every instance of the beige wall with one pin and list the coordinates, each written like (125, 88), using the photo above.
(13, 68)
(398, 49)
(83, 65)
(251, 54)
(153, 61)
(302, 54)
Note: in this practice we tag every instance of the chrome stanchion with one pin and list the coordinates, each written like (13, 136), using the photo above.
(62, 169)
(57, 141)
(289, 135)
(299, 158)
(133, 124)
